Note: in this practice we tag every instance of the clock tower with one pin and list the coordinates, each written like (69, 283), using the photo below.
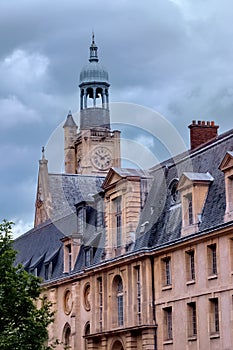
(95, 148)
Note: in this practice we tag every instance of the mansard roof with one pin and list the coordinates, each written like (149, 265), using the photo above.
(68, 190)
(160, 221)
(163, 218)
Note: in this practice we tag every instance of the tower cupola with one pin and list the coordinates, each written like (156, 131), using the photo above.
(94, 94)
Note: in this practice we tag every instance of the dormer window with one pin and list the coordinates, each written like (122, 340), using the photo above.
(69, 257)
(117, 205)
(193, 189)
(71, 247)
(81, 217)
(48, 270)
(190, 208)
(227, 168)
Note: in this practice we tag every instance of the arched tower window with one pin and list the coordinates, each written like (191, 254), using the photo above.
(89, 97)
(99, 97)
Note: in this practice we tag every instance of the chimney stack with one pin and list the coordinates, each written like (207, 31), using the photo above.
(202, 132)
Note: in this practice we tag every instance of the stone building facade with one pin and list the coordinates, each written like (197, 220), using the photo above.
(134, 259)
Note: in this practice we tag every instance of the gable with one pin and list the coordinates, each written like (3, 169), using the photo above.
(227, 162)
(112, 178)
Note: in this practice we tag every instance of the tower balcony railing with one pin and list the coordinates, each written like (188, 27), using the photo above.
(101, 133)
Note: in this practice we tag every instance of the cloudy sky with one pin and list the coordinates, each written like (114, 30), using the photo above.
(174, 56)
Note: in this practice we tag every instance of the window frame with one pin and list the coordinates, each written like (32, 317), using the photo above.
(214, 317)
(212, 260)
(192, 319)
(166, 272)
(120, 303)
(100, 301)
(190, 265)
(138, 294)
(168, 324)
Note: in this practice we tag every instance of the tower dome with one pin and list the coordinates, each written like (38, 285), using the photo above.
(93, 71)
(94, 95)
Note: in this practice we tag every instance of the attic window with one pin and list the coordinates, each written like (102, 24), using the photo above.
(81, 216)
(48, 270)
(190, 209)
(174, 193)
(227, 168)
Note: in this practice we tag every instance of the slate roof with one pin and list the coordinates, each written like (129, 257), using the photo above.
(163, 217)
(124, 172)
(68, 190)
(38, 246)
(42, 244)
(198, 176)
(160, 221)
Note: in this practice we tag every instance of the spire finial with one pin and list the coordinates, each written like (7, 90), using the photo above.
(43, 149)
(93, 50)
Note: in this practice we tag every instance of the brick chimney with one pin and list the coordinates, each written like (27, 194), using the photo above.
(202, 132)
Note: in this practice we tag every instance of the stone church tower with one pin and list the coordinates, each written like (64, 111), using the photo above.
(95, 148)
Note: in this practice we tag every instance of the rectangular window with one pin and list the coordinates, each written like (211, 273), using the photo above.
(88, 257)
(192, 320)
(117, 203)
(168, 324)
(81, 217)
(214, 316)
(139, 306)
(48, 270)
(166, 271)
(69, 256)
(100, 290)
(212, 259)
(190, 209)
(190, 265)
(120, 309)
(100, 213)
(231, 253)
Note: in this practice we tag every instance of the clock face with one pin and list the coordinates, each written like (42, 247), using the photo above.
(101, 158)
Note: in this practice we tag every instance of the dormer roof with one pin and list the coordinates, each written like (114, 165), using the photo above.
(227, 161)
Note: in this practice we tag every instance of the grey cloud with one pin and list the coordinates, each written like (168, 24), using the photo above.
(171, 55)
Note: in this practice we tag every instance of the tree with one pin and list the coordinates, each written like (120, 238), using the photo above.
(24, 316)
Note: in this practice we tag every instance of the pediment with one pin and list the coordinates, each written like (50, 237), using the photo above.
(184, 182)
(189, 178)
(227, 162)
(112, 178)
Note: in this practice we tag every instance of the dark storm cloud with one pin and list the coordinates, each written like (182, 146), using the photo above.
(174, 56)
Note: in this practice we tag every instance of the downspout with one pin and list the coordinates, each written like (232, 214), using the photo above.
(153, 301)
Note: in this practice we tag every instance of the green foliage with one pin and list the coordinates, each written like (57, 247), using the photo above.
(24, 317)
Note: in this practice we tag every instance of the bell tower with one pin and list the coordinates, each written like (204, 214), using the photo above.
(96, 148)
(94, 95)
